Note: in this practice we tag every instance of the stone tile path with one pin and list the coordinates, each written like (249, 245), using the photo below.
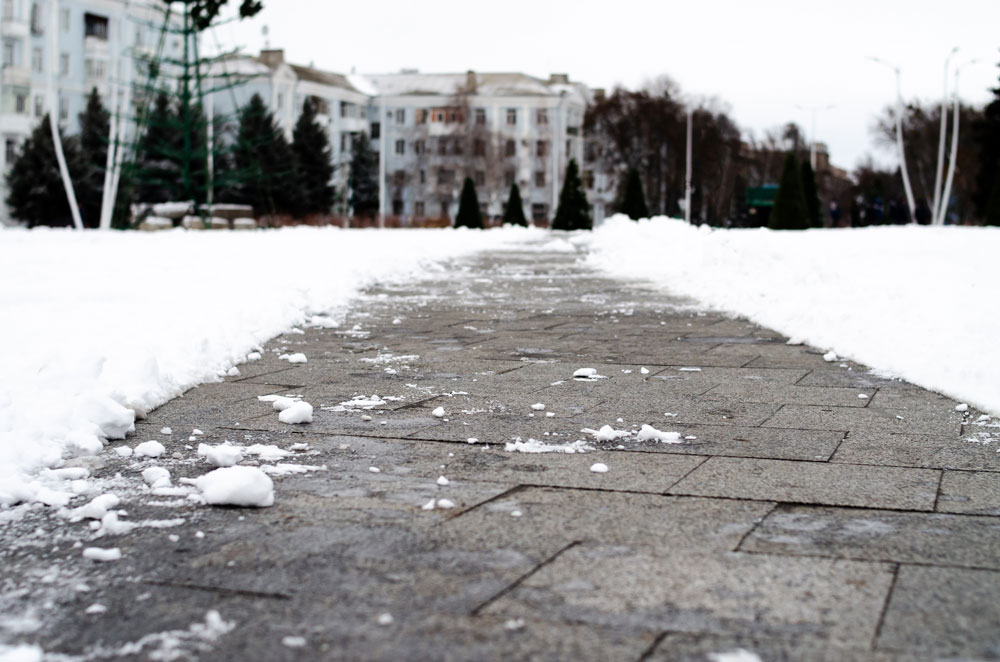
(812, 511)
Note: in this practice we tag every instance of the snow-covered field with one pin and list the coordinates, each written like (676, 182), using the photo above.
(96, 325)
(918, 303)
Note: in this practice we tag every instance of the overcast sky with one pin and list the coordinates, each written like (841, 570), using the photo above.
(762, 58)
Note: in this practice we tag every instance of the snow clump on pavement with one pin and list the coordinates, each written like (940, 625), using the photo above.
(236, 486)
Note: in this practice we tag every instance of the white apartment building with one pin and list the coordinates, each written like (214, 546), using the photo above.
(79, 42)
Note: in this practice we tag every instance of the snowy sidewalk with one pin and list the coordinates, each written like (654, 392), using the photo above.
(802, 509)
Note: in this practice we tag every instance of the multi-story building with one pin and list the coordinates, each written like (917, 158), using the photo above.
(81, 43)
(433, 130)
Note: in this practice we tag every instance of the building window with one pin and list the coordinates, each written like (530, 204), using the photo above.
(423, 178)
(480, 116)
(21, 104)
(459, 147)
(539, 178)
(63, 109)
(542, 116)
(422, 114)
(401, 147)
(479, 147)
(36, 19)
(419, 147)
(508, 179)
(95, 26)
(39, 106)
(64, 20)
(442, 146)
(446, 176)
(10, 150)
(398, 178)
(418, 208)
(95, 68)
(8, 8)
(36, 60)
(512, 116)
(400, 116)
(64, 64)
(542, 148)
(539, 212)
(397, 207)
(480, 178)
(569, 146)
(8, 53)
(588, 179)
(345, 143)
(510, 148)
(376, 130)
(589, 152)
(444, 208)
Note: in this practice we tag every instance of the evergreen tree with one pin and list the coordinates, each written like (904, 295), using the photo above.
(35, 192)
(158, 173)
(790, 211)
(573, 212)
(632, 201)
(89, 184)
(993, 204)
(514, 213)
(314, 158)
(987, 133)
(363, 181)
(468, 207)
(811, 192)
(265, 162)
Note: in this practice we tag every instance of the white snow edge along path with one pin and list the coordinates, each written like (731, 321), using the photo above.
(912, 302)
(104, 327)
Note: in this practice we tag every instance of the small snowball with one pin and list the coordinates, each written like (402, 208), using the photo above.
(428, 506)
(830, 357)
(862, 396)
(298, 357)
(156, 477)
(599, 468)
(374, 470)
(95, 609)
(472, 440)
(236, 486)
(166, 431)
(585, 372)
(384, 619)
(644, 371)
(516, 513)
(962, 407)
(538, 406)
(439, 412)
(550, 414)
(233, 372)
(102, 554)
(293, 642)
(445, 503)
(300, 412)
(150, 448)
(123, 451)
(442, 481)
(366, 418)
(253, 356)
(223, 455)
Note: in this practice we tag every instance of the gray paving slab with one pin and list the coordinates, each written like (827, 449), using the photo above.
(970, 492)
(915, 450)
(702, 646)
(813, 482)
(943, 612)
(640, 588)
(868, 419)
(879, 535)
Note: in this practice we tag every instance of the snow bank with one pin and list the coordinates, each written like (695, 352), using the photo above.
(101, 327)
(912, 302)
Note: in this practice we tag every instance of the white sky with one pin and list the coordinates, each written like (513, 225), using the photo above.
(760, 57)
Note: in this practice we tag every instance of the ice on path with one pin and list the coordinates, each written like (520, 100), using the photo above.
(236, 486)
(298, 412)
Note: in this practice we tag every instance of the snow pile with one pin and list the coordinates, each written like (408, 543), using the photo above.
(196, 306)
(223, 455)
(296, 412)
(236, 486)
(911, 302)
(535, 446)
(649, 433)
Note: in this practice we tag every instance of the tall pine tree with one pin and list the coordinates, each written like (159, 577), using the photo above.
(35, 192)
(265, 162)
(514, 213)
(987, 131)
(363, 181)
(469, 215)
(790, 211)
(632, 199)
(94, 124)
(993, 203)
(314, 157)
(811, 192)
(157, 176)
(573, 212)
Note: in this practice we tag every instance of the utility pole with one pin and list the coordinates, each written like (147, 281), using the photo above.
(383, 130)
(941, 139)
(687, 171)
(53, 109)
(812, 130)
(899, 139)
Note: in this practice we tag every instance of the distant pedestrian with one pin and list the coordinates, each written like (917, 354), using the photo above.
(834, 213)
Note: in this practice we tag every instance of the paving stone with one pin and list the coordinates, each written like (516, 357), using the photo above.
(640, 588)
(702, 646)
(943, 612)
(911, 450)
(813, 482)
(845, 378)
(970, 492)
(868, 419)
(749, 391)
(879, 535)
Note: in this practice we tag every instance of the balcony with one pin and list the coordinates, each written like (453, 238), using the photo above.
(14, 27)
(14, 75)
(95, 46)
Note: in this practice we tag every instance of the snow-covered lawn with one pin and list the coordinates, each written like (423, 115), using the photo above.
(918, 303)
(96, 325)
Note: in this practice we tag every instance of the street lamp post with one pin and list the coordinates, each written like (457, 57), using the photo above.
(939, 212)
(941, 136)
(812, 130)
(899, 138)
(687, 171)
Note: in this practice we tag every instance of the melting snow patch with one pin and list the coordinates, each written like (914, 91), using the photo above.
(962, 407)
(384, 619)
(689, 369)
(535, 446)
(738, 655)
(606, 433)
(223, 455)
(649, 433)
(236, 486)
(538, 406)
(599, 468)
(587, 374)
(293, 642)
(166, 431)
(830, 356)
(298, 412)
(266, 452)
(102, 554)
(150, 448)
(298, 357)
